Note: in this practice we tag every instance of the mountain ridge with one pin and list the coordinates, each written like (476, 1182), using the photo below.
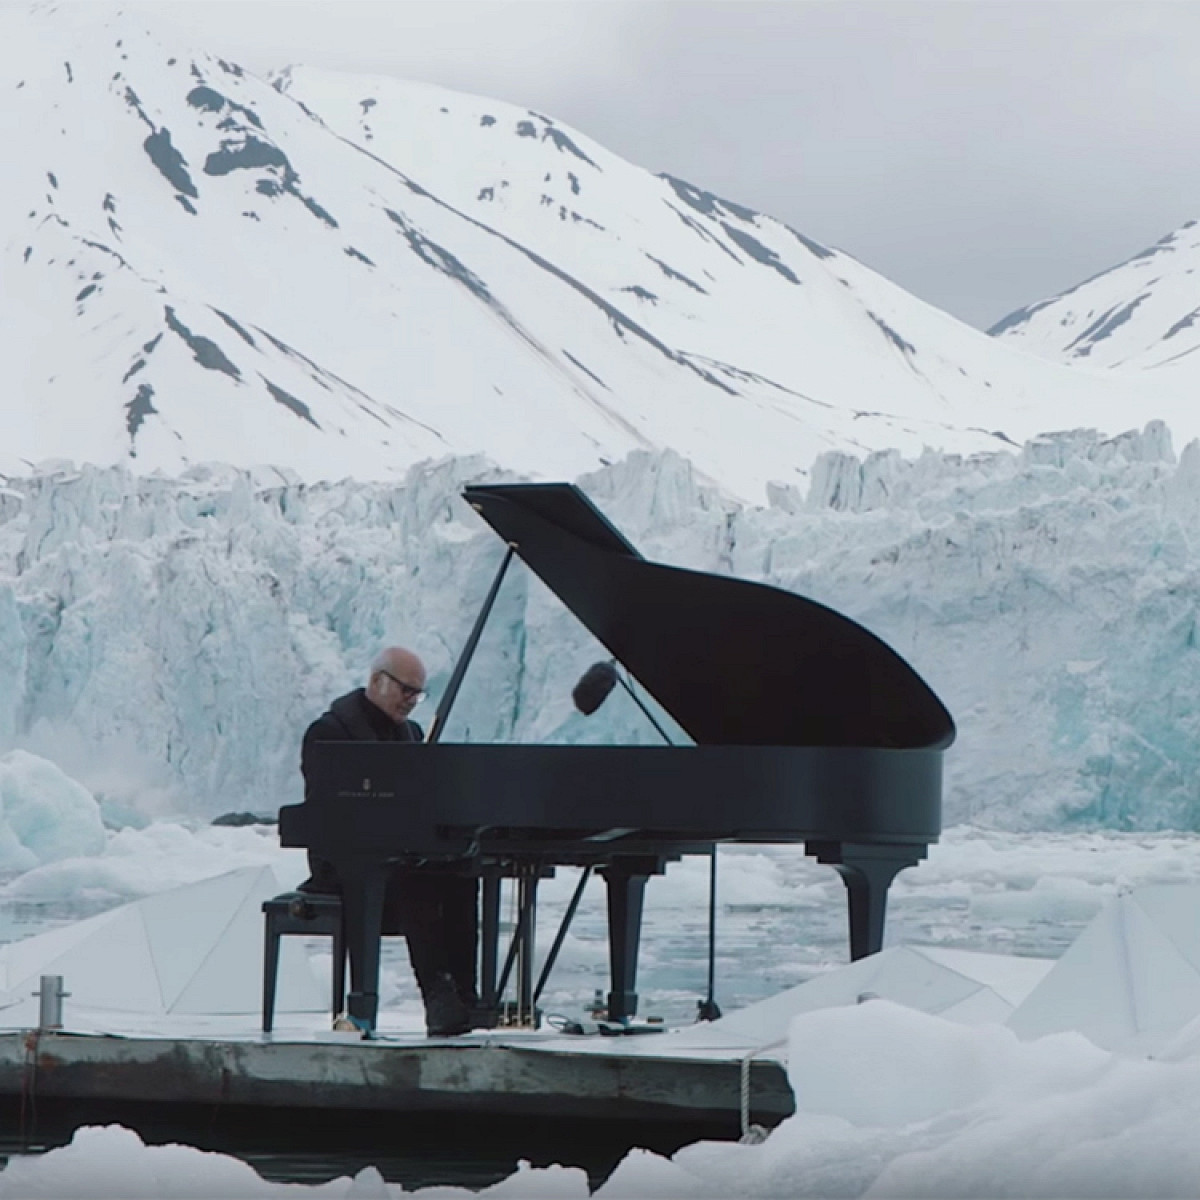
(344, 275)
(1126, 318)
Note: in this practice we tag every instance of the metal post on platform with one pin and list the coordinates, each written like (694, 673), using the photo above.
(50, 1009)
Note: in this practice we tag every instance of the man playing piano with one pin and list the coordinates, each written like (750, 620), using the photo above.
(435, 909)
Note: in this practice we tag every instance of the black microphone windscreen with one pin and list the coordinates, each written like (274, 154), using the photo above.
(593, 687)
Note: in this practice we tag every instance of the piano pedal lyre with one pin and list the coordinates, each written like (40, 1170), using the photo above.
(512, 1015)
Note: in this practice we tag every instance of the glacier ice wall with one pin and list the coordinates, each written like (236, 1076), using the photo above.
(166, 640)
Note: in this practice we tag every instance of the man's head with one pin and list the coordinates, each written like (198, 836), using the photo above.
(397, 682)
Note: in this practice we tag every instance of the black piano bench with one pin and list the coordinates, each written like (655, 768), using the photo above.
(310, 914)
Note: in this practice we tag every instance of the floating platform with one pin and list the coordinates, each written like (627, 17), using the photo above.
(525, 1074)
(657, 1090)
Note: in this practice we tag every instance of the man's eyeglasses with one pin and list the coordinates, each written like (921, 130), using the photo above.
(415, 694)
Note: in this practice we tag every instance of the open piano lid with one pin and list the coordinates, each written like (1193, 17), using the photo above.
(733, 662)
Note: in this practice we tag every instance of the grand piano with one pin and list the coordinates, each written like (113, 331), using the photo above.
(804, 727)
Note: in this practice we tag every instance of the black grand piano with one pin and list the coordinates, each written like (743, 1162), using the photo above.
(806, 728)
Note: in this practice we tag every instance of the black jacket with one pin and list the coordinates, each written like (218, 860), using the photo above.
(353, 718)
(350, 718)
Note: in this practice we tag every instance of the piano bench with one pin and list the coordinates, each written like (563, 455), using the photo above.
(309, 914)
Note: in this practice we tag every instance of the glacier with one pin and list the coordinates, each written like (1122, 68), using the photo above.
(165, 640)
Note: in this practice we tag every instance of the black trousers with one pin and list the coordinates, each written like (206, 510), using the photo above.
(436, 911)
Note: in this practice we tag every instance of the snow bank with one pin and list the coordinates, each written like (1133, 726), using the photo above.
(881, 1064)
(44, 815)
(54, 845)
(129, 863)
(112, 1163)
(894, 1103)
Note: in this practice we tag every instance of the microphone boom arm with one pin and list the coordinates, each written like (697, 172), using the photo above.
(641, 704)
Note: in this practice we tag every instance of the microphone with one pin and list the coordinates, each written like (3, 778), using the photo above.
(593, 687)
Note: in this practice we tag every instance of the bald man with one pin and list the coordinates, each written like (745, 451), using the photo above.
(435, 909)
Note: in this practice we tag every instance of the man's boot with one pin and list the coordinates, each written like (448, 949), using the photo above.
(445, 1013)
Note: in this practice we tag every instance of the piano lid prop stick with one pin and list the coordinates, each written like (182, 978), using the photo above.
(464, 659)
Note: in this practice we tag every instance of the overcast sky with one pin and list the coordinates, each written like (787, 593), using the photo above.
(981, 153)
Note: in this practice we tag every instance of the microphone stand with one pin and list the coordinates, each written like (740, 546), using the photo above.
(708, 1009)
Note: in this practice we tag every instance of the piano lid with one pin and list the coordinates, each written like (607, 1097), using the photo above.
(734, 662)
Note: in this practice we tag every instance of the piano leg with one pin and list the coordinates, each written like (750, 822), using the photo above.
(867, 871)
(489, 940)
(527, 884)
(626, 884)
(363, 887)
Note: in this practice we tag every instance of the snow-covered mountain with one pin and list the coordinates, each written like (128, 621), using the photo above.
(343, 275)
(1140, 319)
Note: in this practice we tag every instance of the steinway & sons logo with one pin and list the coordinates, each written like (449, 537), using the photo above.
(368, 791)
